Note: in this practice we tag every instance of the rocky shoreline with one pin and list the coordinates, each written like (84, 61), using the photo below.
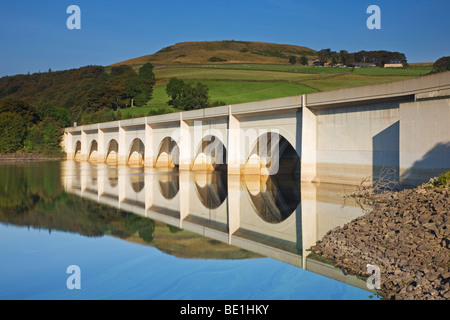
(27, 157)
(406, 235)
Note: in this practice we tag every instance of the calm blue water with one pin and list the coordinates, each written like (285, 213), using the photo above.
(46, 226)
(34, 264)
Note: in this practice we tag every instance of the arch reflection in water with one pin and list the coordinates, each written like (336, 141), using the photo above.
(211, 188)
(169, 183)
(137, 179)
(113, 176)
(274, 198)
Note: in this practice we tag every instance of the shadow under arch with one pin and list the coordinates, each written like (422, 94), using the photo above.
(93, 151)
(211, 154)
(211, 188)
(136, 154)
(77, 152)
(271, 155)
(168, 154)
(112, 153)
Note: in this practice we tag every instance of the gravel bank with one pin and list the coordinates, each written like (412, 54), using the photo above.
(26, 157)
(407, 236)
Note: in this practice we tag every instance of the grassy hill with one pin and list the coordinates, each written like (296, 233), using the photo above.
(245, 71)
(203, 52)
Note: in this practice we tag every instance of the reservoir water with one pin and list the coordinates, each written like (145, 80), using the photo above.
(144, 233)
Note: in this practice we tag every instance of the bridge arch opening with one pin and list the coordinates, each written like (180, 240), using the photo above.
(112, 154)
(168, 154)
(273, 178)
(93, 150)
(77, 152)
(272, 154)
(137, 153)
(211, 155)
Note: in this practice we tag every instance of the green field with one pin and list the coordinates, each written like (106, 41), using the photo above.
(409, 71)
(194, 73)
(240, 83)
(230, 92)
(348, 81)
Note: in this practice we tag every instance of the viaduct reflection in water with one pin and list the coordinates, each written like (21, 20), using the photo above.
(275, 216)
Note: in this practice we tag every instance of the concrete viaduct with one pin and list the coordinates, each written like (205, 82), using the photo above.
(339, 136)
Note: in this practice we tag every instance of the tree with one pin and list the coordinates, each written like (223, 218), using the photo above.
(186, 96)
(344, 57)
(194, 96)
(102, 115)
(51, 134)
(60, 115)
(63, 117)
(174, 88)
(104, 95)
(123, 70)
(334, 57)
(25, 110)
(292, 60)
(442, 64)
(324, 55)
(146, 71)
(12, 132)
(119, 114)
(138, 90)
(304, 60)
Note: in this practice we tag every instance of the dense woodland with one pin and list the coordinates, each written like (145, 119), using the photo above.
(34, 108)
(377, 57)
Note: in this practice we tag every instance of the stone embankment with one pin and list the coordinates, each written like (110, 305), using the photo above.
(407, 236)
(26, 157)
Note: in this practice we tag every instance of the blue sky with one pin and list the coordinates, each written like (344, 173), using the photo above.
(34, 36)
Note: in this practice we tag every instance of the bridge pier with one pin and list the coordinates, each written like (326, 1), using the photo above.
(308, 143)
(101, 152)
(149, 148)
(184, 146)
(234, 157)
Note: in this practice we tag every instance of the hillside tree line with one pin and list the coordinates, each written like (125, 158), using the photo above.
(34, 108)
